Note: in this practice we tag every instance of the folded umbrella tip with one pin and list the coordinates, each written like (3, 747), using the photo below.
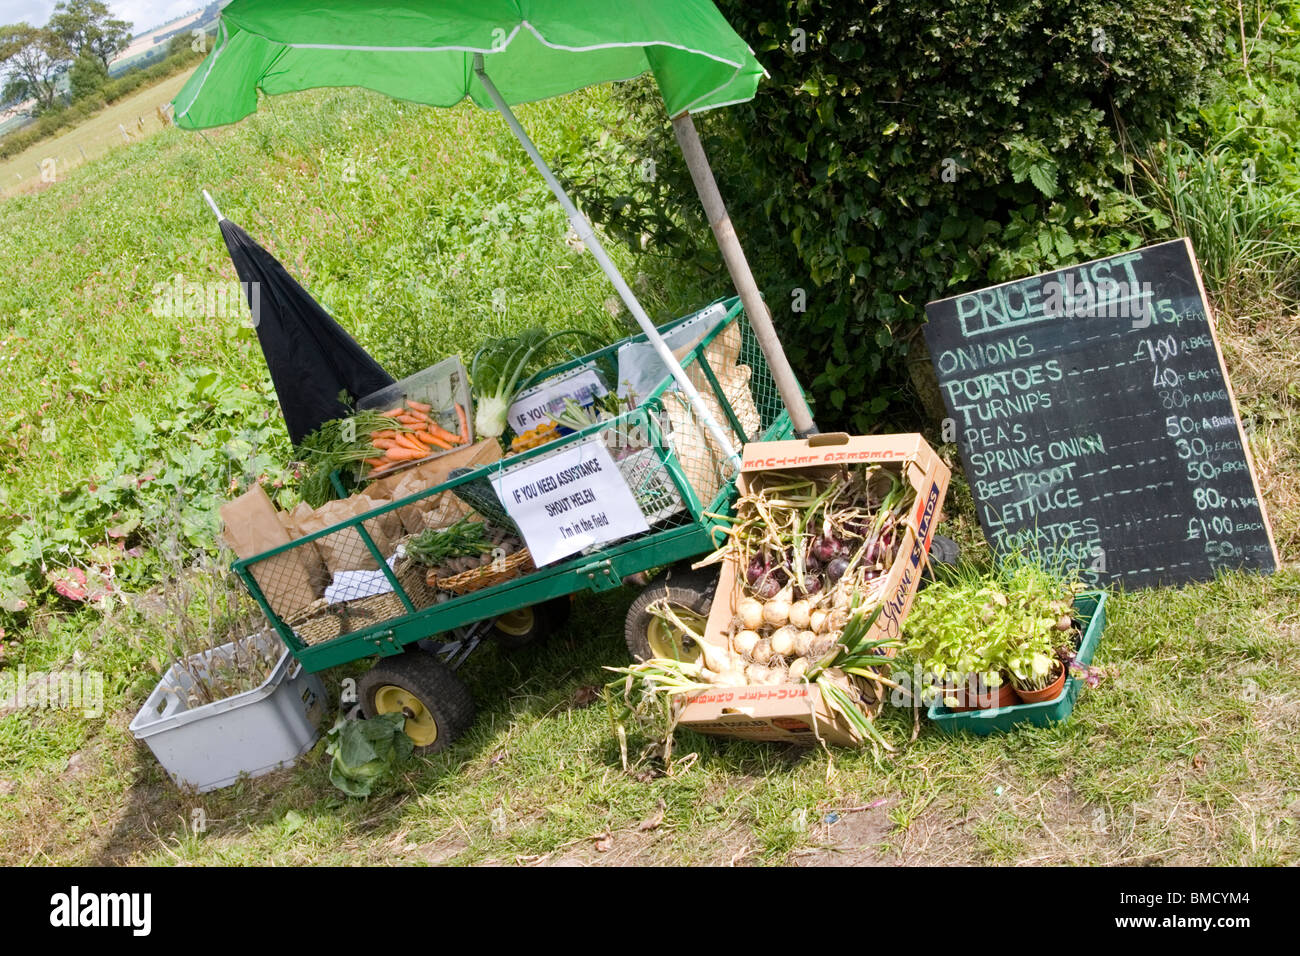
(211, 202)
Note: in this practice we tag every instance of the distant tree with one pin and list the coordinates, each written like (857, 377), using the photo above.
(87, 76)
(87, 28)
(33, 58)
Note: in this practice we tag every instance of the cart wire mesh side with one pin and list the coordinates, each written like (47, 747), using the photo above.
(348, 589)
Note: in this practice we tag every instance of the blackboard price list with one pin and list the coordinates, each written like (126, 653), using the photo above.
(1095, 425)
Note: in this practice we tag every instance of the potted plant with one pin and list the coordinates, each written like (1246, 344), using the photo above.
(992, 640)
(947, 635)
(230, 699)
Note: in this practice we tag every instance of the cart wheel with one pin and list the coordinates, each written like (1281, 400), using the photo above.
(529, 624)
(690, 595)
(438, 707)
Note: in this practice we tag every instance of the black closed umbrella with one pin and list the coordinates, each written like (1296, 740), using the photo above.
(311, 357)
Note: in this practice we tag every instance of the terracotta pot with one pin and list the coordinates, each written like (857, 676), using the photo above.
(985, 698)
(1050, 692)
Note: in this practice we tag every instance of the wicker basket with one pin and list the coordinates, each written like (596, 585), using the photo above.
(413, 577)
(477, 579)
(322, 621)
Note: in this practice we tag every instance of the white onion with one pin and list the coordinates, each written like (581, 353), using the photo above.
(817, 621)
(803, 643)
(776, 612)
(750, 612)
(762, 652)
(783, 640)
(800, 614)
(797, 668)
(744, 642)
(734, 678)
(756, 673)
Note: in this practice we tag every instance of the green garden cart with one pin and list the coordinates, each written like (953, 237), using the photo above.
(681, 483)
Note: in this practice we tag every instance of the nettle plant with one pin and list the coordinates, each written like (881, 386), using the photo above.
(1011, 625)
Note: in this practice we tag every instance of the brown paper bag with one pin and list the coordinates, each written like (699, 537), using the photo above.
(316, 570)
(251, 526)
(344, 550)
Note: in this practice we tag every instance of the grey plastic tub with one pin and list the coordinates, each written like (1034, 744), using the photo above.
(251, 733)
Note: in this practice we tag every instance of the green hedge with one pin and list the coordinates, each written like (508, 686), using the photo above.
(910, 150)
(113, 90)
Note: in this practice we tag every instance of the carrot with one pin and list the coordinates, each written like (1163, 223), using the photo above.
(382, 443)
(464, 424)
(431, 439)
(384, 469)
(419, 406)
(411, 442)
(404, 454)
(437, 430)
(394, 412)
(384, 433)
(415, 421)
(376, 463)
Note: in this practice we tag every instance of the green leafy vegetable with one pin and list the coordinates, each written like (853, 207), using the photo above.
(498, 368)
(367, 751)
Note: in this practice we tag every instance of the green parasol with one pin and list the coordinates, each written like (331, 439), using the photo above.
(498, 52)
(423, 50)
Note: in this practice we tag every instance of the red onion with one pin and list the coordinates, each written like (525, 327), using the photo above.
(836, 568)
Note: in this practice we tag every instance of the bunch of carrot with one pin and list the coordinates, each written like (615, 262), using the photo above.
(414, 435)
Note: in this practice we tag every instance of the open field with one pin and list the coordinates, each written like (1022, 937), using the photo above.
(406, 223)
(94, 138)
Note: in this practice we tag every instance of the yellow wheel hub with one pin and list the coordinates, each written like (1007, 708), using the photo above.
(516, 623)
(421, 726)
(668, 641)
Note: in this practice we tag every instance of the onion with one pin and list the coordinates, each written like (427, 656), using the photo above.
(812, 585)
(762, 652)
(836, 568)
(797, 668)
(825, 548)
(810, 564)
(776, 612)
(782, 640)
(757, 568)
(731, 679)
(716, 659)
(800, 613)
(767, 586)
(751, 613)
(803, 643)
(775, 675)
(744, 642)
(818, 621)
(822, 646)
(756, 673)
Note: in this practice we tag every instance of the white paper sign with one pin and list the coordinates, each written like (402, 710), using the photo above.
(572, 500)
(541, 403)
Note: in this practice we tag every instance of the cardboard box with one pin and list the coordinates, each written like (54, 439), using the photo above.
(795, 713)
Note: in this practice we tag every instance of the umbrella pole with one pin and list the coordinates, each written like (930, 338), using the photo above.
(760, 319)
(588, 236)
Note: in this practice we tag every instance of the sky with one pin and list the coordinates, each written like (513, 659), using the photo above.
(141, 14)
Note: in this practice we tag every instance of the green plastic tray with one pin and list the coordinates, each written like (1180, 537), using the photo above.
(1090, 607)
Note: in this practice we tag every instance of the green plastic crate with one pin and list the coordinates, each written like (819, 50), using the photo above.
(1090, 608)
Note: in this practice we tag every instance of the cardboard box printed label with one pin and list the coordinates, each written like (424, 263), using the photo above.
(569, 501)
(795, 712)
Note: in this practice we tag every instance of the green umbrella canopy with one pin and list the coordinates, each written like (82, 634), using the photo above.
(423, 50)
